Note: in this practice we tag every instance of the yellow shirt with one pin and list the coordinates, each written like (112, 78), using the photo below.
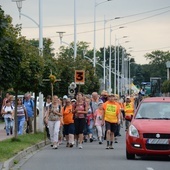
(111, 110)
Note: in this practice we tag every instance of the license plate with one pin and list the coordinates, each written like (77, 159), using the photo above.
(158, 141)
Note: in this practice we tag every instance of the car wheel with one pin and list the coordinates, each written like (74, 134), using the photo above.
(129, 155)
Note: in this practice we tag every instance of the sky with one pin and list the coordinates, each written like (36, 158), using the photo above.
(146, 23)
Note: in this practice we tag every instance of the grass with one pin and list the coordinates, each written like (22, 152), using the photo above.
(10, 147)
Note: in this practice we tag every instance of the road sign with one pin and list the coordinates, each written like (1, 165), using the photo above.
(79, 76)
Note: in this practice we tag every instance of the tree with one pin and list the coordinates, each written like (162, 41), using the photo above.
(157, 63)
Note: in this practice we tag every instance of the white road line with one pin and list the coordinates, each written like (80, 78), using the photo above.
(149, 168)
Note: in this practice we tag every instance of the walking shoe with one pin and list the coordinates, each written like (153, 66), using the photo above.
(67, 145)
(107, 147)
(100, 142)
(111, 147)
(51, 145)
(80, 147)
(116, 141)
(70, 145)
(85, 140)
(55, 147)
(91, 139)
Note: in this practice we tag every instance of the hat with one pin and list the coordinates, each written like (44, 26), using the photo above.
(100, 103)
(73, 100)
(65, 97)
(127, 97)
(104, 93)
(111, 94)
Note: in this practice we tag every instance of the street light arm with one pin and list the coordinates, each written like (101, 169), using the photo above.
(30, 19)
(97, 4)
(62, 42)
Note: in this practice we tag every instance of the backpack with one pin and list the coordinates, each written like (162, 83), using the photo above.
(50, 106)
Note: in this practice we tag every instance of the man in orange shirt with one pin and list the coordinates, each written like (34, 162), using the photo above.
(68, 121)
(111, 118)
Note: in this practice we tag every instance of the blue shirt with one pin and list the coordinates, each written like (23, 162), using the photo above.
(29, 105)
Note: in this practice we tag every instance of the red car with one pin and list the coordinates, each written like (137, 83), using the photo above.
(149, 131)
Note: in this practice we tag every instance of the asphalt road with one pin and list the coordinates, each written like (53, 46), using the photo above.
(92, 157)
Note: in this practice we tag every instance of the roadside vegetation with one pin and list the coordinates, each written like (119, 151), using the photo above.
(10, 147)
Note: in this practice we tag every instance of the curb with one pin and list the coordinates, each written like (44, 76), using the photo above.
(11, 162)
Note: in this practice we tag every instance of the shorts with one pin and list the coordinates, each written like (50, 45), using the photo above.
(111, 126)
(69, 129)
(79, 125)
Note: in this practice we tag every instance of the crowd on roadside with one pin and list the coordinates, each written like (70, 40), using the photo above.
(77, 120)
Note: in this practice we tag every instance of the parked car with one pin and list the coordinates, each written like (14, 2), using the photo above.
(149, 132)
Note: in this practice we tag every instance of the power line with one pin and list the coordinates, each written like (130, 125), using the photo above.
(91, 22)
(151, 49)
(126, 23)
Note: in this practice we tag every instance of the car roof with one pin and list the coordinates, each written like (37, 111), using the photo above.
(156, 99)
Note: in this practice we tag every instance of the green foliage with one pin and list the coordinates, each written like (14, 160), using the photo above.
(166, 86)
(11, 147)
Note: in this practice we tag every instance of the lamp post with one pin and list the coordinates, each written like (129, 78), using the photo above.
(104, 51)
(118, 63)
(94, 51)
(110, 58)
(40, 25)
(75, 31)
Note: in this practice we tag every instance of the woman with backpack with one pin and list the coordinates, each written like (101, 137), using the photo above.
(80, 110)
(53, 118)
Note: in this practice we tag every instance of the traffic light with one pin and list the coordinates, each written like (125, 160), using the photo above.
(71, 89)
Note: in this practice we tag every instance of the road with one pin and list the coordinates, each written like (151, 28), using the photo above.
(92, 157)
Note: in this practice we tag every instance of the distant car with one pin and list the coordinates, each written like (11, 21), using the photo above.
(149, 132)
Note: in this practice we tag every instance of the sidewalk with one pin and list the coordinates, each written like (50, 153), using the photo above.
(3, 132)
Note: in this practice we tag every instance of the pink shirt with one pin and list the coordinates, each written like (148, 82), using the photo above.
(98, 117)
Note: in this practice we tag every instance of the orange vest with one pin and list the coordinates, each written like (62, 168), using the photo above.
(129, 109)
(111, 109)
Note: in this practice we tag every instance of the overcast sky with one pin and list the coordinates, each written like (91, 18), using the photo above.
(146, 22)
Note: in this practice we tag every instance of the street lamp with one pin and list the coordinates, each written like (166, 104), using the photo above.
(40, 25)
(94, 51)
(104, 51)
(61, 41)
(75, 31)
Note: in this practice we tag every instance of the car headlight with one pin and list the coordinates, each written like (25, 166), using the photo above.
(133, 131)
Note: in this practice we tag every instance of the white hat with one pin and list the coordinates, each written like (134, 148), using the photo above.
(65, 97)
(73, 100)
(100, 103)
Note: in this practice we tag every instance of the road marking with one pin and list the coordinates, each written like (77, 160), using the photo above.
(149, 168)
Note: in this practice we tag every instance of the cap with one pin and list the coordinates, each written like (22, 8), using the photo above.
(65, 97)
(127, 97)
(100, 103)
(104, 93)
(73, 100)
(111, 94)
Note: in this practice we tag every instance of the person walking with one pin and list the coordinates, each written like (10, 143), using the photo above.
(129, 111)
(46, 106)
(80, 110)
(98, 117)
(8, 112)
(111, 118)
(67, 112)
(53, 118)
(21, 116)
(95, 100)
(29, 105)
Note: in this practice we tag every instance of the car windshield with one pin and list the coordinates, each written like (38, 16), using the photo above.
(153, 110)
